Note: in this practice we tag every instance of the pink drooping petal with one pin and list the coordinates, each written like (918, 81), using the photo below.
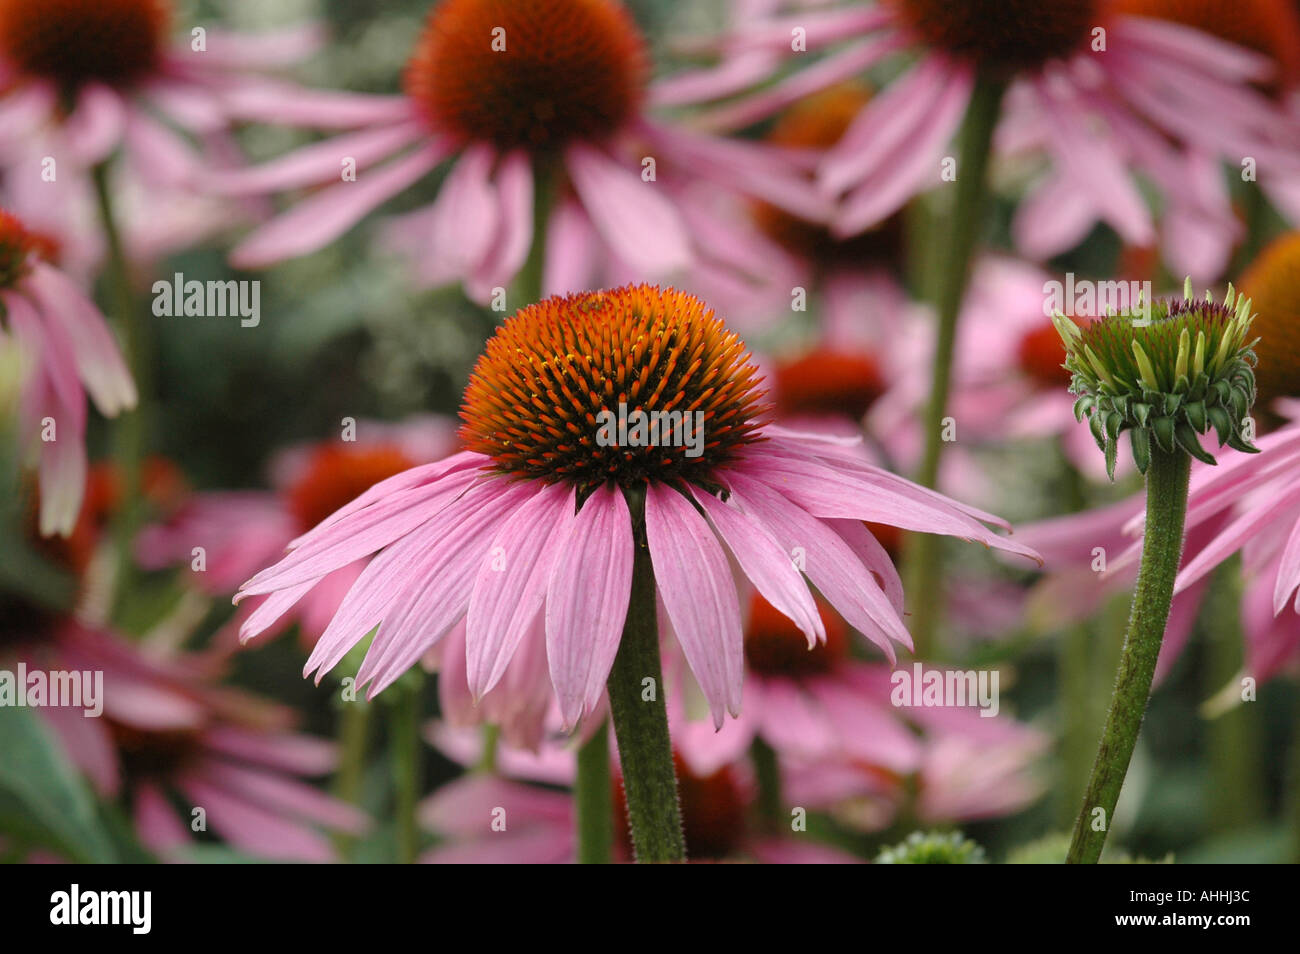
(360, 534)
(415, 476)
(316, 222)
(571, 253)
(320, 163)
(156, 822)
(769, 567)
(1288, 571)
(95, 127)
(699, 594)
(1184, 44)
(1055, 217)
(284, 752)
(281, 793)
(511, 584)
(913, 168)
(887, 125)
(1232, 537)
(733, 75)
(252, 828)
(874, 557)
(633, 216)
(237, 50)
(586, 600)
(509, 247)
(837, 68)
(1093, 166)
(464, 219)
(99, 362)
(437, 595)
(826, 559)
(289, 104)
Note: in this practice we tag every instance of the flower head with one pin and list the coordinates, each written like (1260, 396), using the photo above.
(1170, 376)
(528, 535)
(1005, 36)
(74, 42)
(536, 74)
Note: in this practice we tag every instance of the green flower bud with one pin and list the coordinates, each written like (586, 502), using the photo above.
(1165, 375)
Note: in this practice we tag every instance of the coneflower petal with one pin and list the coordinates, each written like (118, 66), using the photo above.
(587, 598)
(699, 594)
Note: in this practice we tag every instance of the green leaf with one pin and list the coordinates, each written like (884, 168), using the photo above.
(1195, 413)
(1187, 440)
(41, 795)
(1221, 423)
(1140, 440)
(1163, 428)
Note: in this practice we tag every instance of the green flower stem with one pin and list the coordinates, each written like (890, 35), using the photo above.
(404, 743)
(353, 736)
(767, 773)
(593, 797)
(1162, 549)
(963, 226)
(129, 433)
(1233, 737)
(641, 717)
(487, 762)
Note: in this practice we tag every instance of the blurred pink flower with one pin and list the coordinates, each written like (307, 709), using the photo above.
(539, 827)
(1251, 503)
(242, 531)
(66, 351)
(513, 99)
(83, 82)
(534, 516)
(1105, 96)
(834, 720)
(168, 735)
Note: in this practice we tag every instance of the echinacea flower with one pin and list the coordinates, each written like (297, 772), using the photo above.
(836, 718)
(83, 81)
(68, 352)
(1103, 94)
(162, 728)
(521, 99)
(531, 521)
(238, 532)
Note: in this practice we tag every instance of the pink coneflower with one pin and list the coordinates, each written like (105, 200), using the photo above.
(522, 98)
(68, 351)
(834, 716)
(538, 495)
(1101, 114)
(166, 731)
(242, 531)
(169, 737)
(90, 76)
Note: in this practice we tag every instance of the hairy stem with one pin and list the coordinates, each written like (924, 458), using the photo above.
(1162, 549)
